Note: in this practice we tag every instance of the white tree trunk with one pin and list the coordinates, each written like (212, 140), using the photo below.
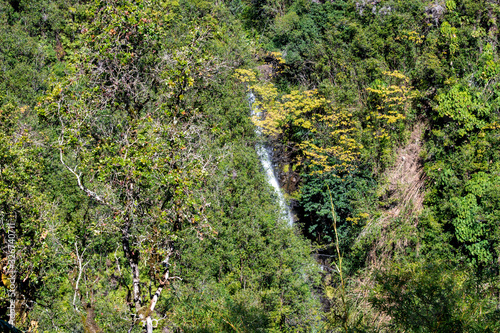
(156, 296)
(149, 324)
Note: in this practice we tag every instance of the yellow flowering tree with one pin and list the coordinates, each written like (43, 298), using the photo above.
(393, 101)
(328, 142)
(340, 149)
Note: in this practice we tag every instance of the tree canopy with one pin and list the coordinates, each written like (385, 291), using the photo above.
(132, 197)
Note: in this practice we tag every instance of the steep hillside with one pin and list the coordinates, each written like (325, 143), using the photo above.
(132, 197)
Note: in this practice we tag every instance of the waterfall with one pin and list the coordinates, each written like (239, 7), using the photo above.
(265, 159)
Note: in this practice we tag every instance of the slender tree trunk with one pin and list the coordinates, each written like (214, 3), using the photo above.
(156, 296)
(133, 260)
(149, 324)
(135, 280)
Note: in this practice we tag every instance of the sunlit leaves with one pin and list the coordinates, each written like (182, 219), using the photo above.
(280, 114)
(451, 34)
(340, 149)
(463, 109)
(393, 102)
(288, 110)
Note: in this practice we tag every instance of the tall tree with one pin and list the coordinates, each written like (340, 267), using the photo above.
(126, 139)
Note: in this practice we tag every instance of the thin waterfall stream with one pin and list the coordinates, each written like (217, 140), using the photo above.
(265, 158)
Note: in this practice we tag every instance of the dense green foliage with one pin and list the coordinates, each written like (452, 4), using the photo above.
(147, 177)
(398, 67)
(128, 165)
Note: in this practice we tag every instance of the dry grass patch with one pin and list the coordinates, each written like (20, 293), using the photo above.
(402, 201)
(393, 230)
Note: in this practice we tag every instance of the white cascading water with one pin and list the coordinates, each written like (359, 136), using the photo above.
(265, 159)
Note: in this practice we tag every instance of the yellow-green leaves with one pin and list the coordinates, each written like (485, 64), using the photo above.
(411, 36)
(292, 109)
(281, 111)
(393, 102)
(245, 76)
(340, 149)
(451, 5)
(460, 106)
(307, 112)
(451, 34)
